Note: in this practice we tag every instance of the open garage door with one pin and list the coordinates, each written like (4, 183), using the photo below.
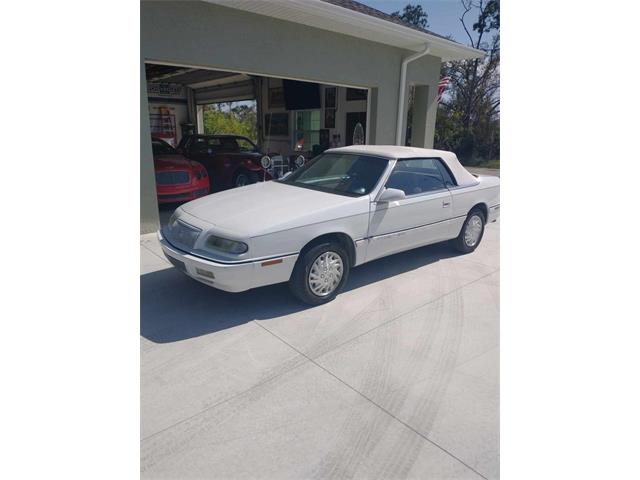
(292, 121)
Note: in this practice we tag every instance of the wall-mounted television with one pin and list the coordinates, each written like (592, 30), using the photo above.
(301, 95)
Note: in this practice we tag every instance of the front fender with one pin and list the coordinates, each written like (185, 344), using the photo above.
(295, 239)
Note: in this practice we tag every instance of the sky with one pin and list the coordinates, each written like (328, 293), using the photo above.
(444, 15)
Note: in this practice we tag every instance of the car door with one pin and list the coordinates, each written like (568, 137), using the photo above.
(227, 160)
(201, 150)
(421, 218)
(196, 149)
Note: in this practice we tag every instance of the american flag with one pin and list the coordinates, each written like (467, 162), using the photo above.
(442, 86)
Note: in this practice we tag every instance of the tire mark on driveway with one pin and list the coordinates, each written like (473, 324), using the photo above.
(426, 409)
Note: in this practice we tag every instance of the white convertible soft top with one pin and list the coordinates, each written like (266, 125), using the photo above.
(461, 174)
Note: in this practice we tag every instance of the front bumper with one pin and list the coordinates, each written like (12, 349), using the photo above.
(230, 277)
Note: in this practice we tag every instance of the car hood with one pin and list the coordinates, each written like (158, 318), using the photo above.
(268, 207)
(173, 162)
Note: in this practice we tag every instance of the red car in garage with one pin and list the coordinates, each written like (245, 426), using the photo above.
(231, 160)
(178, 179)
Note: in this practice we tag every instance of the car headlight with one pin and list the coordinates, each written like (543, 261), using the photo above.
(181, 233)
(226, 245)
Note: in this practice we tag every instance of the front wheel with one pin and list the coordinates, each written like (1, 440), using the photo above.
(471, 233)
(320, 274)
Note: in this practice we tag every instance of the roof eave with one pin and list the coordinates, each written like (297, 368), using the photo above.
(441, 47)
(327, 16)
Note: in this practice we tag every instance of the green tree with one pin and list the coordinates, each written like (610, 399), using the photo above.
(227, 118)
(413, 14)
(468, 120)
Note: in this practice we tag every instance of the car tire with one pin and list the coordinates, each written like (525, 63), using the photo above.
(471, 233)
(244, 177)
(310, 288)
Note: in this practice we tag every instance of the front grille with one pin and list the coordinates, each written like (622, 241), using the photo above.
(172, 178)
(280, 166)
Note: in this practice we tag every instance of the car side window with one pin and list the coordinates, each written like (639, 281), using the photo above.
(446, 175)
(415, 176)
(228, 144)
(245, 145)
(197, 145)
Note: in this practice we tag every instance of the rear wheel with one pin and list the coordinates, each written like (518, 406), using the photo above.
(320, 273)
(472, 232)
(244, 177)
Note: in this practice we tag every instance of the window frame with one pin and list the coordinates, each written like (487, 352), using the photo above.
(437, 160)
(445, 167)
(295, 129)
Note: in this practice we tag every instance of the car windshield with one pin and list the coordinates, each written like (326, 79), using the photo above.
(344, 174)
(162, 148)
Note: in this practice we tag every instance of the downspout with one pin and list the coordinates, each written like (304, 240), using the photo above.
(403, 79)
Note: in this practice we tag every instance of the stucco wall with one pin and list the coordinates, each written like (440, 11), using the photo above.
(209, 36)
(425, 71)
(149, 218)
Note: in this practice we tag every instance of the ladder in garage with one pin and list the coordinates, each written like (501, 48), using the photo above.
(163, 124)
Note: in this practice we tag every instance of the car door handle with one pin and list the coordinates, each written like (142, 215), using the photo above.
(445, 204)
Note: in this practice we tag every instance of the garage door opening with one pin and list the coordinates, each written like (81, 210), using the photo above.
(219, 125)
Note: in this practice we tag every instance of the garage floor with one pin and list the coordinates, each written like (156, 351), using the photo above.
(396, 378)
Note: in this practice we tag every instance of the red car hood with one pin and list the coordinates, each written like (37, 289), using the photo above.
(174, 162)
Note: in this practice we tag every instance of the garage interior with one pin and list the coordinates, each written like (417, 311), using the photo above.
(177, 97)
(292, 117)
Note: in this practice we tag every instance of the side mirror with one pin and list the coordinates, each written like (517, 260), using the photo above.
(391, 195)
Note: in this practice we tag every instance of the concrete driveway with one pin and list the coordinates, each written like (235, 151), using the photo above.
(396, 378)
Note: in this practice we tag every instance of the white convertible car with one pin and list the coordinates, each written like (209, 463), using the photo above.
(346, 207)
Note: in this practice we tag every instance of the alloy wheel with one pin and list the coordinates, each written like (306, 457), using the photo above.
(325, 273)
(473, 231)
